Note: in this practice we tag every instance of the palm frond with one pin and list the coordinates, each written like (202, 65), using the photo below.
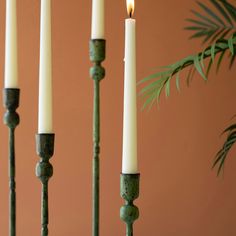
(213, 23)
(222, 154)
(161, 80)
(230, 8)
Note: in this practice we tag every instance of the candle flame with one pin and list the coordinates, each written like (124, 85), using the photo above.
(130, 7)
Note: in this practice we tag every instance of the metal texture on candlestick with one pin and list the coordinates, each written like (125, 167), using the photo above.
(44, 171)
(11, 98)
(97, 73)
(129, 191)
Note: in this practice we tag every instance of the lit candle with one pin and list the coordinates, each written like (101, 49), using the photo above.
(130, 163)
(11, 62)
(45, 70)
(97, 19)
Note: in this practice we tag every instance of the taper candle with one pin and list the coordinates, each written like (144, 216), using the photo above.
(11, 62)
(45, 70)
(97, 19)
(130, 163)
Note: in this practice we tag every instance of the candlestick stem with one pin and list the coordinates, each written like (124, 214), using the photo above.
(129, 191)
(45, 208)
(129, 230)
(12, 182)
(96, 166)
(97, 73)
(11, 119)
(44, 171)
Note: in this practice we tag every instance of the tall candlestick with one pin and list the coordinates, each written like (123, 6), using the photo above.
(97, 19)
(130, 163)
(45, 70)
(11, 62)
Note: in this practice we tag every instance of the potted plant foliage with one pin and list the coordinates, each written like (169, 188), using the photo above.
(215, 24)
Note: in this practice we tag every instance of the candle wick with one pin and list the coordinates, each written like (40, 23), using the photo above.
(130, 14)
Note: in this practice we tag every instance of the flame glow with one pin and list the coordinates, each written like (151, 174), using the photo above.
(130, 7)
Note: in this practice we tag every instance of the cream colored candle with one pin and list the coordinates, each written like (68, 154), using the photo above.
(98, 19)
(45, 70)
(130, 163)
(11, 62)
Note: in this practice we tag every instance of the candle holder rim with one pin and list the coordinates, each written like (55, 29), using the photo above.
(98, 39)
(45, 134)
(131, 174)
(11, 89)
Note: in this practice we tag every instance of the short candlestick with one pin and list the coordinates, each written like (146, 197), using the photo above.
(129, 191)
(11, 98)
(97, 73)
(44, 171)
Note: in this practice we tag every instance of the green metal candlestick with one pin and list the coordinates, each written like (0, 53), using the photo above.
(97, 73)
(44, 171)
(129, 191)
(11, 98)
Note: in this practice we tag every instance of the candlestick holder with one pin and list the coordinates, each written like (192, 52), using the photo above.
(44, 171)
(97, 73)
(129, 191)
(11, 98)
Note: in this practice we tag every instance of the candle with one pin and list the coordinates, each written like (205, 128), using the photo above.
(11, 62)
(130, 163)
(45, 70)
(97, 19)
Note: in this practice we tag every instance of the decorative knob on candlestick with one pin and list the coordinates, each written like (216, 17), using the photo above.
(11, 98)
(129, 191)
(97, 54)
(44, 171)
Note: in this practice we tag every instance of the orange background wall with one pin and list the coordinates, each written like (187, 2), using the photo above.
(180, 195)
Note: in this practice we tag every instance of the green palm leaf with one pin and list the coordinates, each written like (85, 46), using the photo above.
(160, 80)
(232, 61)
(211, 13)
(222, 11)
(222, 154)
(219, 61)
(218, 26)
(230, 8)
(213, 23)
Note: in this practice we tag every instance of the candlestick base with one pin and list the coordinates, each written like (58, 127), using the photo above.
(129, 191)
(44, 171)
(11, 97)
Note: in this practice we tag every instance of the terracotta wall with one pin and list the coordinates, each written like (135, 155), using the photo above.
(180, 195)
